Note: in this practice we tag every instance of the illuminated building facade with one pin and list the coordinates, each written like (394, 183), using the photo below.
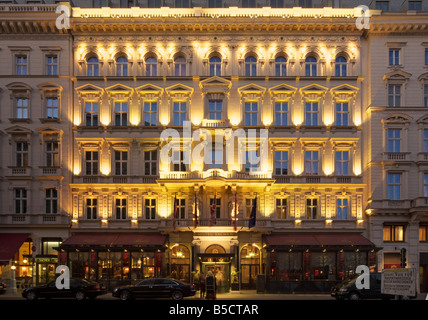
(83, 150)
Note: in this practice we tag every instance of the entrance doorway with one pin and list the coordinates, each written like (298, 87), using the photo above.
(423, 272)
(250, 266)
(221, 272)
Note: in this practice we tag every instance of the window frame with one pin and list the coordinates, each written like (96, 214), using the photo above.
(149, 210)
(51, 201)
(310, 208)
(283, 215)
(22, 199)
(393, 185)
(392, 232)
(91, 208)
(92, 163)
(150, 162)
(49, 66)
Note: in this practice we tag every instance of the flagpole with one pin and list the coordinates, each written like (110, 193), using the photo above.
(195, 220)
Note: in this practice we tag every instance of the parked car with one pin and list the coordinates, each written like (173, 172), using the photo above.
(2, 287)
(155, 288)
(347, 289)
(80, 289)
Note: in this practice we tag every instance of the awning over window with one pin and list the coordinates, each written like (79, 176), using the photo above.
(10, 244)
(320, 240)
(114, 239)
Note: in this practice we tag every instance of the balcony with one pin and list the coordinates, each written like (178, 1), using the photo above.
(390, 204)
(204, 222)
(28, 8)
(34, 219)
(214, 173)
(396, 156)
(18, 172)
(215, 123)
(114, 179)
(419, 202)
(423, 156)
(318, 179)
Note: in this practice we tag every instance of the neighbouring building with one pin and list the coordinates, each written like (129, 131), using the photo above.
(299, 137)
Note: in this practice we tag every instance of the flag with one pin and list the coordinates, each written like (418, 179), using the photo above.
(213, 211)
(195, 220)
(236, 213)
(252, 221)
(174, 215)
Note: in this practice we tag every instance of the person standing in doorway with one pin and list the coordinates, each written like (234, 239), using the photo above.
(202, 285)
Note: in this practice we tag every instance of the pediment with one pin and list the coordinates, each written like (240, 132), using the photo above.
(179, 88)
(89, 88)
(18, 86)
(397, 75)
(46, 86)
(48, 130)
(149, 88)
(282, 88)
(397, 118)
(119, 88)
(18, 130)
(215, 81)
(313, 88)
(252, 88)
(344, 88)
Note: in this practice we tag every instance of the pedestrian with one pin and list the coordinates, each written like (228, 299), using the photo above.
(202, 285)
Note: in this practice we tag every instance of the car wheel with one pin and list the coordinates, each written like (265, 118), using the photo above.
(177, 295)
(80, 295)
(125, 295)
(354, 296)
(31, 296)
(404, 298)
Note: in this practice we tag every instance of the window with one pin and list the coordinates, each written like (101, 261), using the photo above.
(215, 109)
(342, 163)
(122, 66)
(52, 154)
(91, 163)
(425, 142)
(51, 108)
(51, 200)
(311, 208)
(215, 66)
(280, 66)
(180, 66)
(217, 207)
(394, 140)
(182, 3)
(305, 3)
(415, 5)
(382, 5)
(394, 186)
(121, 163)
(251, 113)
(342, 208)
(120, 208)
(49, 245)
(426, 57)
(150, 113)
(342, 114)
(21, 65)
(52, 65)
(91, 113)
(121, 113)
(216, 158)
(93, 67)
(250, 64)
(277, 3)
(281, 113)
(394, 95)
(178, 160)
(426, 95)
(311, 162)
(21, 159)
(311, 66)
(22, 108)
(214, 4)
(394, 57)
(154, 3)
(341, 67)
(248, 3)
(423, 233)
(91, 208)
(252, 161)
(311, 113)
(181, 209)
(393, 233)
(281, 163)
(425, 185)
(20, 198)
(281, 208)
(151, 67)
(150, 208)
(179, 113)
(150, 163)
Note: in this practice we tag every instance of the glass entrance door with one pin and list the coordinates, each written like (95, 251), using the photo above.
(221, 274)
(249, 276)
(45, 273)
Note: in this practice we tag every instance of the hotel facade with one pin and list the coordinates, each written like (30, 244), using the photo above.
(293, 112)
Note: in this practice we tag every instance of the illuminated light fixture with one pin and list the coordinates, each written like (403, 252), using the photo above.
(369, 211)
(360, 220)
(104, 220)
(13, 267)
(134, 220)
(328, 221)
(74, 220)
(25, 260)
(298, 220)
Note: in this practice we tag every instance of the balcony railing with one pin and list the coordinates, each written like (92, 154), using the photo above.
(318, 179)
(213, 173)
(28, 8)
(396, 156)
(204, 222)
(419, 202)
(19, 171)
(34, 219)
(114, 179)
(215, 123)
(423, 156)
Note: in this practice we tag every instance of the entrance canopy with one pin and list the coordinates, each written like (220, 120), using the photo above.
(92, 240)
(10, 244)
(317, 240)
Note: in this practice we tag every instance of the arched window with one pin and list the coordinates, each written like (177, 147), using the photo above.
(93, 66)
(251, 66)
(311, 66)
(180, 66)
(250, 266)
(122, 66)
(215, 66)
(280, 66)
(151, 63)
(341, 67)
(180, 263)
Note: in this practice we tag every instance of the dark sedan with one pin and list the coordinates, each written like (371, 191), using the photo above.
(155, 288)
(80, 289)
(2, 287)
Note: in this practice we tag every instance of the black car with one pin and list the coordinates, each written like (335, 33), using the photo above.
(155, 288)
(2, 287)
(80, 289)
(347, 289)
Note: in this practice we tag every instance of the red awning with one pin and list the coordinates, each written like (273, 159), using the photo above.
(114, 239)
(10, 244)
(311, 239)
